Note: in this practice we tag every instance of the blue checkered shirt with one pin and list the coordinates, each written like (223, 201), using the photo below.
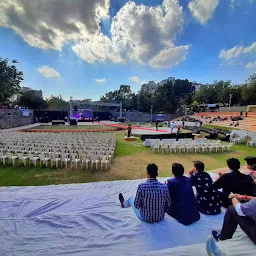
(152, 198)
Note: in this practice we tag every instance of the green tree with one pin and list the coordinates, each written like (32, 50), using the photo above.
(124, 95)
(57, 103)
(10, 79)
(144, 101)
(31, 100)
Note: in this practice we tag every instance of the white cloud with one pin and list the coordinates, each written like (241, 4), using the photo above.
(48, 72)
(203, 10)
(139, 33)
(50, 24)
(251, 65)
(171, 55)
(97, 49)
(237, 51)
(136, 80)
(102, 80)
(237, 3)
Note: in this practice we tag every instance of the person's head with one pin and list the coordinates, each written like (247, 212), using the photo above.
(250, 161)
(152, 170)
(177, 169)
(233, 164)
(129, 125)
(198, 166)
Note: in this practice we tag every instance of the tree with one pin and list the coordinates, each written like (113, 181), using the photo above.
(124, 95)
(10, 79)
(32, 101)
(57, 103)
(144, 101)
(248, 93)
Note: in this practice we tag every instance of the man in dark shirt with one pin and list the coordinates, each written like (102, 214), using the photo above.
(184, 205)
(151, 199)
(234, 181)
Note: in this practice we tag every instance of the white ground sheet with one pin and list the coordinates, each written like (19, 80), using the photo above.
(86, 219)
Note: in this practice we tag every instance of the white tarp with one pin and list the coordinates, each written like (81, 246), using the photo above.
(86, 219)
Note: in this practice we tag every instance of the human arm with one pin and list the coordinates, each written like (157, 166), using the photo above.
(244, 209)
(138, 198)
(168, 199)
(219, 182)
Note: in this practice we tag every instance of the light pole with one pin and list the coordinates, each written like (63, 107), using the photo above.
(151, 110)
(70, 108)
(230, 97)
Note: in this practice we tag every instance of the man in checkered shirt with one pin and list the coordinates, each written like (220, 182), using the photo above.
(242, 214)
(151, 199)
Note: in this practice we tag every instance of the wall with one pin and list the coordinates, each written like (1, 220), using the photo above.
(251, 108)
(10, 118)
(233, 109)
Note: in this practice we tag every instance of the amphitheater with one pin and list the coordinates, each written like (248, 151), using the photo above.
(249, 122)
(86, 218)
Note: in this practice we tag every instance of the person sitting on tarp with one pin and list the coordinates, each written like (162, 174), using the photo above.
(242, 214)
(151, 198)
(207, 195)
(184, 205)
(234, 181)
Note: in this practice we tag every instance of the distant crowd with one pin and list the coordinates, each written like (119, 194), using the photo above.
(233, 190)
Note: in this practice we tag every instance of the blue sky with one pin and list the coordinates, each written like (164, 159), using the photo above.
(84, 49)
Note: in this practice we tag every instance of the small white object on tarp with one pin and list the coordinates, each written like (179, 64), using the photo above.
(86, 219)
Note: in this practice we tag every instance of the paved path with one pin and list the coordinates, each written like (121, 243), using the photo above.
(22, 127)
(138, 130)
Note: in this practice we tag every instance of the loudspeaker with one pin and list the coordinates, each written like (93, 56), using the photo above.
(73, 122)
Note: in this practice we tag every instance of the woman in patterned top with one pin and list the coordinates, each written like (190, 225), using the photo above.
(207, 196)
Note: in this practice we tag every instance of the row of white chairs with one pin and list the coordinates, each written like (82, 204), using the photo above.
(47, 148)
(57, 160)
(193, 147)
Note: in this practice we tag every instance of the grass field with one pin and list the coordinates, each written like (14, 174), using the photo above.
(131, 159)
(218, 127)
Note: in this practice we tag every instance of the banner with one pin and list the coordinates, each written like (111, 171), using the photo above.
(24, 111)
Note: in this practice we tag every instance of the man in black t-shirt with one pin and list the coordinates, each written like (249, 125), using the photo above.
(235, 182)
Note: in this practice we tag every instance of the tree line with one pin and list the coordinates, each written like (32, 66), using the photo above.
(168, 98)
(172, 96)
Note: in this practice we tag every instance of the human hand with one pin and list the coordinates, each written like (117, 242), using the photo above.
(239, 197)
(231, 195)
(220, 174)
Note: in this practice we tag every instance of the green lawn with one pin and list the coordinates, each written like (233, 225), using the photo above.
(131, 159)
(218, 127)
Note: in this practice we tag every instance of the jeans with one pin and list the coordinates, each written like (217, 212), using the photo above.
(232, 219)
(130, 203)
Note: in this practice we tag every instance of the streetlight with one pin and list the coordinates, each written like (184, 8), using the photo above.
(151, 110)
(230, 97)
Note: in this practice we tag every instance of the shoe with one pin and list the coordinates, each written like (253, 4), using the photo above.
(217, 236)
(121, 199)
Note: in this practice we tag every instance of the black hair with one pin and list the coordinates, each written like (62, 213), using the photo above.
(254, 167)
(177, 169)
(152, 170)
(250, 160)
(199, 165)
(233, 164)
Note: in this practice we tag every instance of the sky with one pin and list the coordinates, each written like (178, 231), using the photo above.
(85, 48)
